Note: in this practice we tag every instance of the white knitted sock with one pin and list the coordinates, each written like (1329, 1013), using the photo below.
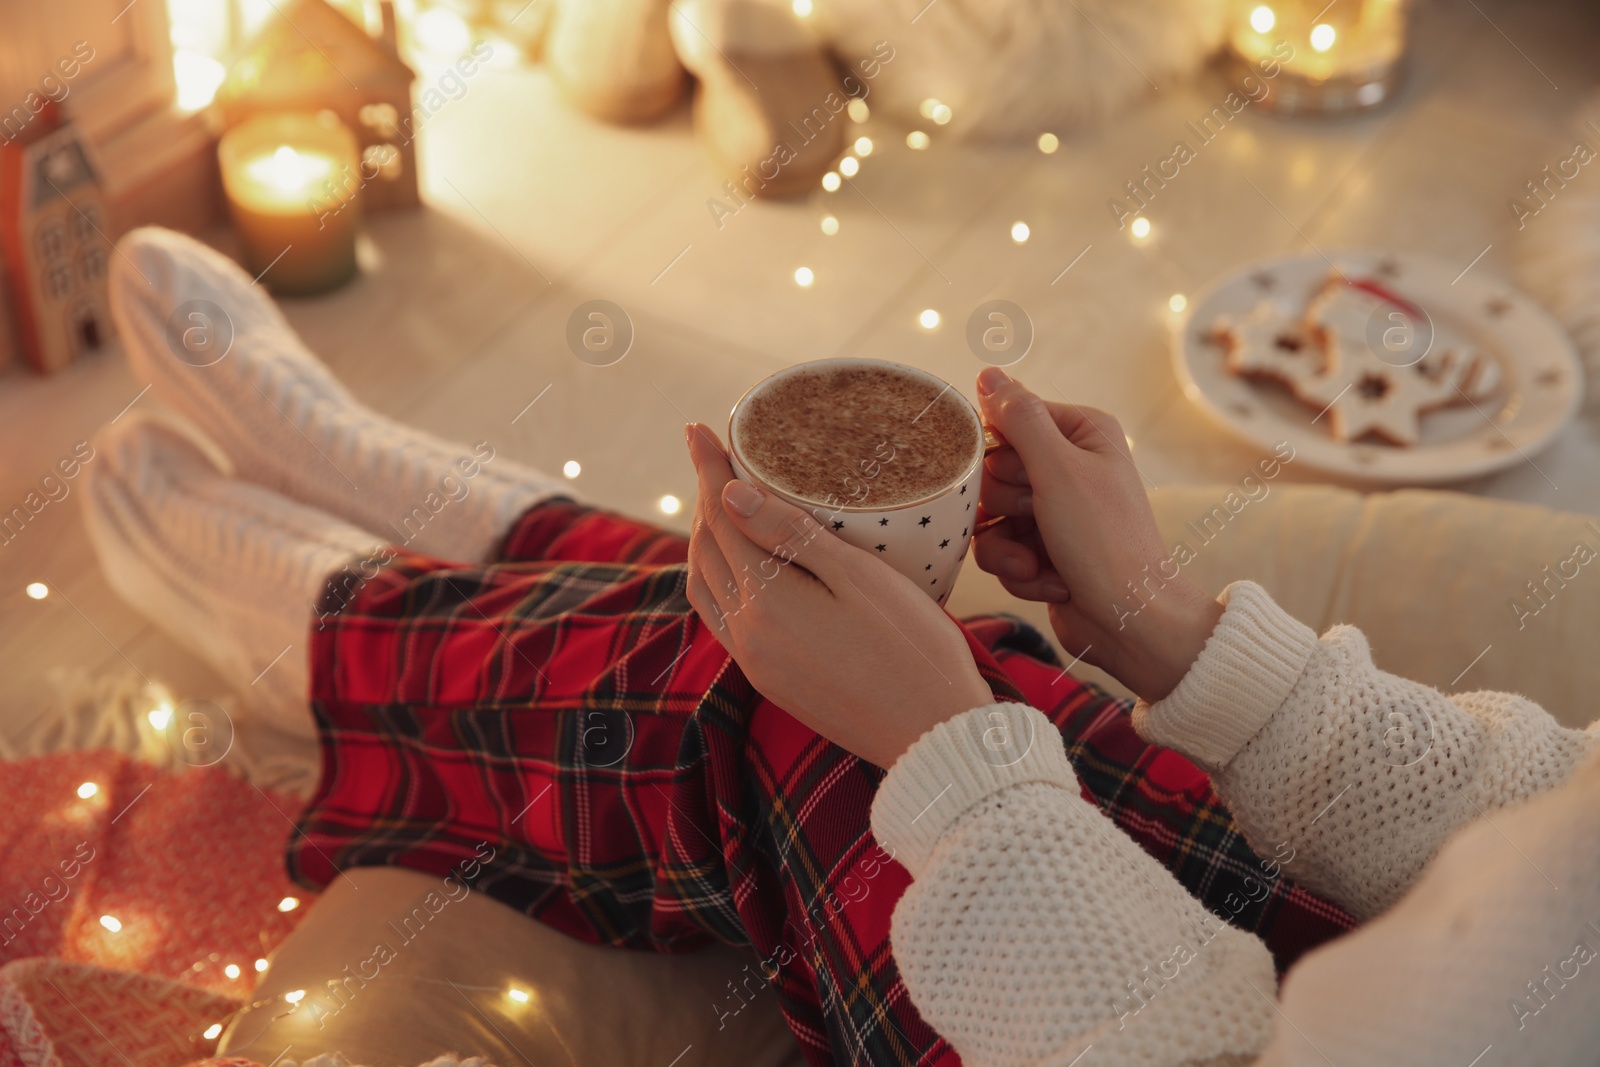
(286, 422)
(228, 569)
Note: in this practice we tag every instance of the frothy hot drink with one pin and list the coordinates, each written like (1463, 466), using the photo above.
(824, 435)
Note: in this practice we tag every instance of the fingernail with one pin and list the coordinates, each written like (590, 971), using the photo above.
(992, 378)
(743, 497)
(688, 433)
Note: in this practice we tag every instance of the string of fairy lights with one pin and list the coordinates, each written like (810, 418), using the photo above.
(849, 166)
(91, 794)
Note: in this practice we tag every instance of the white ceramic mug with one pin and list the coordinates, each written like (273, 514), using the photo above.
(925, 539)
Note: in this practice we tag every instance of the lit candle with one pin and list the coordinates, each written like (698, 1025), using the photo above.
(1313, 56)
(292, 185)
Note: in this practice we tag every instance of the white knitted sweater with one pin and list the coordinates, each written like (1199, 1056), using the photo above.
(1464, 829)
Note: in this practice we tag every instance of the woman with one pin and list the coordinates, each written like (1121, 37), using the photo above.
(659, 757)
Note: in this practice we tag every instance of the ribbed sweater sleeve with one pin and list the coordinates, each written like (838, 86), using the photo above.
(1035, 932)
(1036, 928)
(1365, 774)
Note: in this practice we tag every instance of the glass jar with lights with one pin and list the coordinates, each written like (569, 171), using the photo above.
(1319, 57)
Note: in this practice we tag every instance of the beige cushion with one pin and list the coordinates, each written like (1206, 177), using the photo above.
(586, 1004)
(1430, 577)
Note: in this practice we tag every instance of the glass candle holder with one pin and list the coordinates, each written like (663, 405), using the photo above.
(1323, 58)
(293, 194)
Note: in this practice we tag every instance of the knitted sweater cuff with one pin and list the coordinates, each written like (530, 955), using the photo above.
(1252, 660)
(958, 764)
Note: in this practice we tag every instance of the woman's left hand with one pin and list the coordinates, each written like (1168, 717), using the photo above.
(831, 634)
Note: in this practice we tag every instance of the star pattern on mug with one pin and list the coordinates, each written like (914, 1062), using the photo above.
(915, 538)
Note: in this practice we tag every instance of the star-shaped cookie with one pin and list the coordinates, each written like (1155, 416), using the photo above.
(1268, 342)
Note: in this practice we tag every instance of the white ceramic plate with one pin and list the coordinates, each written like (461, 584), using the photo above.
(1542, 381)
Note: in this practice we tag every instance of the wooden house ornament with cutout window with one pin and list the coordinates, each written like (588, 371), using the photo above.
(311, 57)
(53, 237)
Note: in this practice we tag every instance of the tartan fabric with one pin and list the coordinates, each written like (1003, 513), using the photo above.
(563, 711)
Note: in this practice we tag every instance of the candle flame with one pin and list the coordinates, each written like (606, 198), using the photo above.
(288, 171)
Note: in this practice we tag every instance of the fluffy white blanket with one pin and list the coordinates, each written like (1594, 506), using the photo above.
(1012, 69)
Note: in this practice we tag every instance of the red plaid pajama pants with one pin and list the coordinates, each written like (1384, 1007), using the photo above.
(563, 712)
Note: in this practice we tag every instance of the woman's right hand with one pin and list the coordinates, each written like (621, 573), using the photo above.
(1081, 536)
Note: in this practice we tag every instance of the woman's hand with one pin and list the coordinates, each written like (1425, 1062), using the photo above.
(1080, 534)
(839, 639)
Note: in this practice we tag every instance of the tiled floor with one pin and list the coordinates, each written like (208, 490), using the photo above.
(459, 319)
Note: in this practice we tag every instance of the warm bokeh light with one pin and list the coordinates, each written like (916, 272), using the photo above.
(572, 468)
(441, 31)
(111, 922)
(830, 181)
(87, 790)
(288, 903)
(849, 165)
(232, 970)
(1178, 302)
(1323, 36)
(802, 7)
(669, 504)
(858, 110)
(927, 107)
(213, 1032)
(161, 717)
(863, 146)
(929, 319)
(917, 140)
(1262, 19)
(1048, 143)
(1140, 227)
(830, 225)
(941, 114)
(261, 965)
(803, 277)
(1020, 232)
(518, 995)
(198, 78)
(295, 997)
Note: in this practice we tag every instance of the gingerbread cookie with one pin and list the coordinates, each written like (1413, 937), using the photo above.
(1268, 343)
(1363, 395)
(1327, 362)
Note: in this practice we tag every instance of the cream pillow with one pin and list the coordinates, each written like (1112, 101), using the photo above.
(1438, 581)
(400, 967)
(1432, 578)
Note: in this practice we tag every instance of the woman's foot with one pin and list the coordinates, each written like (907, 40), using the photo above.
(214, 346)
(229, 570)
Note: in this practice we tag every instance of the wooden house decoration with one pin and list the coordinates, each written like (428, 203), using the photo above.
(53, 234)
(311, 57)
